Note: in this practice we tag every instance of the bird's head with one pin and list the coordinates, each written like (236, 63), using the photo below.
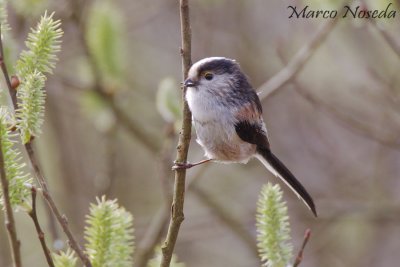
(214, 74)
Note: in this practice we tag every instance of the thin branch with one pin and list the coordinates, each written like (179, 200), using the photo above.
(394, 45)
(62, 220)
(156, 229)
(352, 124)
(226, 218)
(11, 89)
(12, 85)
(299, 257)
(158, 224)
(152, 237)
(122, 118)
(297, 63)
(38, 173)
(177, 215)
(33, 214)
(10, 222)
(99, 88)
(133, 128)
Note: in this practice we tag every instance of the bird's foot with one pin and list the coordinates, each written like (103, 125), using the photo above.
(187, 165)
(182, 165)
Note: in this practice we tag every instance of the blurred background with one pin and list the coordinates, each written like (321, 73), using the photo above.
(112, 118)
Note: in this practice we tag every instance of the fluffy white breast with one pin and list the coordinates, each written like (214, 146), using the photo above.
(200, 105)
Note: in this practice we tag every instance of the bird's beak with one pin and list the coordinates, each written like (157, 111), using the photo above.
(190, 83)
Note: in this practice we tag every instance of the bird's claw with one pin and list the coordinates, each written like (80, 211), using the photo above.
(182, 166)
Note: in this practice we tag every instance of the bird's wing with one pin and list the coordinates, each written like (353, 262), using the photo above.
(250, 126)
(252, 130)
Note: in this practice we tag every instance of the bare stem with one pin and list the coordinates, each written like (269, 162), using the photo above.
(352, 124)
(62, 220)
(38, 173)
(177, 215)
(299, 257)
(158, 224)
(393, 44)
(11, 90)
(152, 237)
(10, 222)
(33, 214)
(98, 87)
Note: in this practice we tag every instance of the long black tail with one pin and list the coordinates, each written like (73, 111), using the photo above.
(274, 165)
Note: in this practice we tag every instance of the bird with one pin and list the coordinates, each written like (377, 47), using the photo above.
(227, 116)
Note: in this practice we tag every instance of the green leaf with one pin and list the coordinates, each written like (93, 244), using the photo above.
(273, 230)
(168, 100)
(109, 235)
(29, 8)
(98, 111)
(104, 35)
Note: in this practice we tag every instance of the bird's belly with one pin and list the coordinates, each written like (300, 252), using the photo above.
(220, 142)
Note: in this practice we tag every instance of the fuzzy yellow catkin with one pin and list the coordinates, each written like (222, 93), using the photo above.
(273, 230)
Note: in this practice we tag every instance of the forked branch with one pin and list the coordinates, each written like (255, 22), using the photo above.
(38, 173)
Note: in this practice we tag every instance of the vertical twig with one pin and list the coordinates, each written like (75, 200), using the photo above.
(299, 257)
(177, 215)
(33, 214)
(157, 226)
(38, 173)
(13, 93)
(10, 222)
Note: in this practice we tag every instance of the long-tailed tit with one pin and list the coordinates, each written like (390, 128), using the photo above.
(227, 116)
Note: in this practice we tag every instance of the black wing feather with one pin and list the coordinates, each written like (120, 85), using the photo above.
(254, 134)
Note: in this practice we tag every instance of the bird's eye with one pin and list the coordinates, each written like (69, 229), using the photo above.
(208, 76)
